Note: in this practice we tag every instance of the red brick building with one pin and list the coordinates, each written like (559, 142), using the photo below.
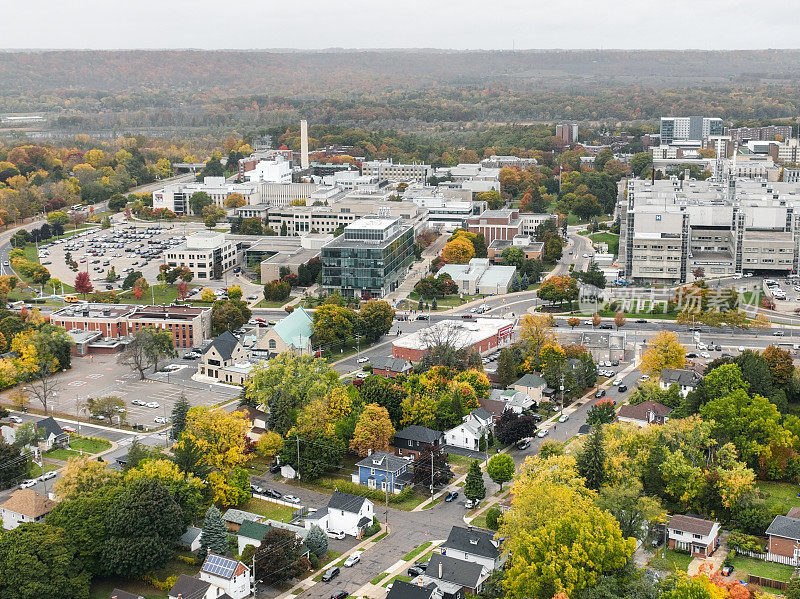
(496, 224)
(190, 326)
(481, 334)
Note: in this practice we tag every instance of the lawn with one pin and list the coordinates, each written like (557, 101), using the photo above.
(273, 511)
(415, 552)
(36, 470)
(459, 464)
(479, 521)
(61, 454)
(756, 567)
(163, 294)
(88, 445)
(610, 238)
(672, 561)
(378, 578)
(402, 577)
(779, 496)
(380, 537)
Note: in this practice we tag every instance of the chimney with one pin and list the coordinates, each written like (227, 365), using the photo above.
(440, 569)
(304, 144)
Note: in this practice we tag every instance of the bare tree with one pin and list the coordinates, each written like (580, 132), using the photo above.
(447, 344)
(43, 386)
(135, 355)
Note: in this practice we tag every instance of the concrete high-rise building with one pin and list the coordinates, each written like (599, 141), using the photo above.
(769, 133)
(689, 128)
(304, 144)
(567, 132)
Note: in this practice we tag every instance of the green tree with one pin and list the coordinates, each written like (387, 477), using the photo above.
(493, 518)
(500, 468)
(39, 560)
(15, 465)
(280, 556)
(375, 319)
(591, 459)
(333, 324)
(108, 407)
(179, 412)
(198, 201)
(603, 156)
(513, 256)
(474, 488)
(190, 458)
(214, 537)
(601, 413)
(228, 315)
(385, 393)
(630, 507)
(317, 541)
(136, 454)
(251, 226)
(319, 453)
(507, 368)
(143, 526)
(641, 163)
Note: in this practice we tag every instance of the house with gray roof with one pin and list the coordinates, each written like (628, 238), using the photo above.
(292, 333)
(473, 545)
(222, 354)
(468, 434)
(350, 514)
(390, 367)
(121, 594)
(383, 471)
(698, 536)
(532, 385)
(191, 539)
(52, 433)
(414, 439)
(687, 380)
(470, 576)
(234, 518)
(407, 590)
(511, 399)
(784, 536)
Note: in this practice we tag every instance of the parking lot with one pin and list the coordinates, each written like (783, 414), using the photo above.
(101, 376)
(126, 248)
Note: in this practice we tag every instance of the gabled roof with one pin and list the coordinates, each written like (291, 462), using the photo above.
(222, 567)
(383, 461)
(463, 573)
(482, 414)
(347, 502)
(786, 527)
(28, 503)
(190, 535)
(120, 594)
(225, 345)
(422, 434)
(296, 329)
(390, 364)
(530, 380)
(50, 426)
(253, 530)
(239, 516)
(189, 586)
(682, 376)
(406, 590)
(694, 525)
(473, 541)
(640, 411)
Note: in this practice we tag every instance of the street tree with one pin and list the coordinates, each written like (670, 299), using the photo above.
(108, 407)
(83, 283)
(620, 320)
(474, 489)
(513, 427)
(501, 468)
(573, 322)
(591, 459)
(83, 475)
(375, 319)
(664, 350)
(631, 507)
(179, 412)
(507, 368)
(602, 412)
(373, 431)
(596, 320)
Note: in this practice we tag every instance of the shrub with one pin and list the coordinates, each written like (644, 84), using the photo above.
(372, 528)
(742, 542)
(493, 517)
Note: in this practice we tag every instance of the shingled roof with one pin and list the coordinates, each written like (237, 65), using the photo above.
(28, 503)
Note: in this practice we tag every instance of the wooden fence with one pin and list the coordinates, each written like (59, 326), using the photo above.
(767, 582)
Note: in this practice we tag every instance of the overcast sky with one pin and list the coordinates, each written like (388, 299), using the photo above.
(457, 24)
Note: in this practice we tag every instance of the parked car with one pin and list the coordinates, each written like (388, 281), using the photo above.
(291, 499)
(272, 493)
(523, 444)
(415, 571)
(423, 317)
(622, 388)
(27, 483)
(600, 393)
(451, 496)
(469, 504)
(336, 534)
(352, 560)
(48, 475)
(563, 418)
(340, 595)
(15, 419)
(362, 360)
(778, 334)
(137, 402)
(152, 404)
(330, 574)
(256, 489)
(542, 433)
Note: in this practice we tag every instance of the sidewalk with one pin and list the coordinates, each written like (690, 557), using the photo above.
(376, 591)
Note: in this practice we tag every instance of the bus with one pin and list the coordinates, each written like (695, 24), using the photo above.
(76, 207)
(71, 299)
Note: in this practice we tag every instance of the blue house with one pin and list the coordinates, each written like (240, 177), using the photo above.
(381, 470)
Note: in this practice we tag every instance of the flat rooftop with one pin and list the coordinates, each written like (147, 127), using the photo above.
(462, 333)
(367, 223)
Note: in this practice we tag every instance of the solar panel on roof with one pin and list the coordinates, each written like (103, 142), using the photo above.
(219, 566)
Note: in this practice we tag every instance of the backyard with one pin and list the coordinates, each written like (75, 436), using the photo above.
(745, 565)
(780, 497)
(268, 509)
(670, 561)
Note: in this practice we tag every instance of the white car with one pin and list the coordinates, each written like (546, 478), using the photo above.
(362, 360)
(15, 419)
(28, 483)
(47, 476)
(291, 499)
(542, 432)
(618, 381)
(644, 377)
(362, 375)
(705, 354)
(160, 420)
(152, 404)
(563, 418)
(352, 560)
(741, 348)
(335, 534)
(702, 346)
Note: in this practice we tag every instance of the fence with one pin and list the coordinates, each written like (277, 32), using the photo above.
(771, 557)
(767, 582)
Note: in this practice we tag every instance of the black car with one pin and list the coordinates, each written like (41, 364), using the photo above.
(451, 496)
(330, 574)
(340, 595)
(272, 493)
(422, 566)
(691, 354)
(537, 418)
(415, 570)
(423, 317)
(275, 468)
(606, 325)
(523, 444)
(622, 388)
(615, 362)
(717, 348)
(640, 321)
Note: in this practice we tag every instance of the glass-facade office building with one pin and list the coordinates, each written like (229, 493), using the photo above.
(369, 259)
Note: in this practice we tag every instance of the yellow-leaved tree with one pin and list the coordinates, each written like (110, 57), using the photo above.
(663, 351)
(458, 251)
(219, 435)
(83, 475)
(373, 430)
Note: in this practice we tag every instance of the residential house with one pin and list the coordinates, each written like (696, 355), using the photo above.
(223, 352)
(698, 536)
(349, 513)
(252, 533)
(383, 471)
(406, 590)
(190, 539)
(687, 380)
(414, 439)
(468, 434)
(189, 586)
(470, 576)
(784, 536)
(531, 385)
(292, 333)
(234, 518)
(120, 594)
(473, 545)
(390, 367)
(25, 505)
(229, 575)
(513, 400)
(258, 422)
(52, 434)
(644, 414)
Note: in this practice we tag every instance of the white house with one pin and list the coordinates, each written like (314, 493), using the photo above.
(467, 435)
(52, 433)
(191, 539)
(475, 546)
(230, 575)
(697, 536)
(349, 513)
(25, 505)
(687, 380)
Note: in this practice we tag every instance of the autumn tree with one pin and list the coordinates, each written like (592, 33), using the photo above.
(619, 319)
(235, 200)
(83, 475)
(83, 283)
(663, 351)
(458, 251)
(220, 435)
(596, 320)
(373, 431)
(562, 288)
(183, 290)
(573, 322)
(780, 365)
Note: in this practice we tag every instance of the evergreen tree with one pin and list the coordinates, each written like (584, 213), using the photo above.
(179, 416)
(506, 368)
(474, 488)
(317, 541)
(136, 454)
(214, 537)
(434, 304)
(591, 461)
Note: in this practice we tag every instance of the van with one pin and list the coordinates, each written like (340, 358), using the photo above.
(70, 299)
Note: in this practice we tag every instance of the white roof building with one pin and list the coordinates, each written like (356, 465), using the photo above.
(480, 276)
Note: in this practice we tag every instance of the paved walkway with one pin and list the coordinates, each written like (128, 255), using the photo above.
(710, 565)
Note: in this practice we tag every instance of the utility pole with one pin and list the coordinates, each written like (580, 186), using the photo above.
(297, 438)
(431, 473)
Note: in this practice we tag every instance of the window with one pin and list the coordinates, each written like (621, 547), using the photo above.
(272, 344)
(696, 536)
